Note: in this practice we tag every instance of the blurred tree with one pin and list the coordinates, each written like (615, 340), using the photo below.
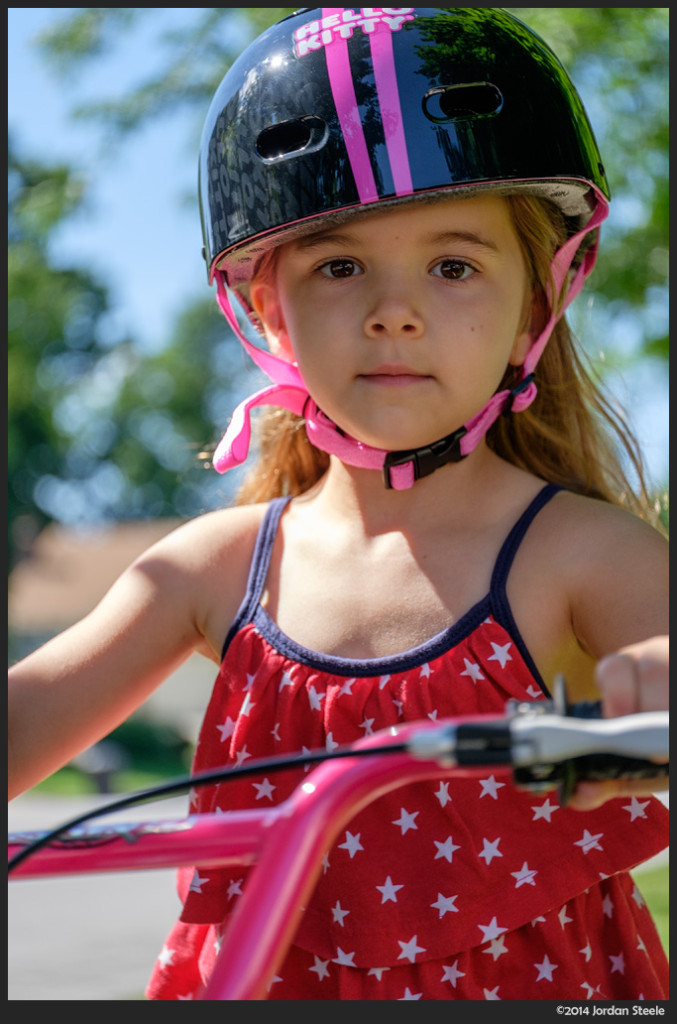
(90, 437)
(146, 416)
(55, 346)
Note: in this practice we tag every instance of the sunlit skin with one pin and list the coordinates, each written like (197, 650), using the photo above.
(403, 325)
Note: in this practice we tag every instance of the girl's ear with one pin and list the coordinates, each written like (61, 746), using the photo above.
(266, 304)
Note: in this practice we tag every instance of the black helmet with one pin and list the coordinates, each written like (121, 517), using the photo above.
(336, 112)
(327, 113)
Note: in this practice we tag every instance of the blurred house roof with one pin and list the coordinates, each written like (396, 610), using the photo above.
(68, 571)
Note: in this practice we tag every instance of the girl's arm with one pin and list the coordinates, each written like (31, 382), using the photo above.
(634, 679)
(179, 597)
(620, 615)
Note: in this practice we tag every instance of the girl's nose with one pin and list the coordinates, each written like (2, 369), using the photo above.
(393, 313)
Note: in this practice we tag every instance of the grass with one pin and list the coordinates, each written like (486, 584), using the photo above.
(654, 886)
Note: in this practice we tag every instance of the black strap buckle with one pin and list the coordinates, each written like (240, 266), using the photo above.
(522, 386)
(428, 458)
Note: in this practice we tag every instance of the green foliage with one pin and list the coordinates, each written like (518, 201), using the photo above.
(54, 315)
(94, 425)
(654, 885)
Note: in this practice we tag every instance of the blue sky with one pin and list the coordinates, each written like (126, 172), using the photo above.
(140, 231)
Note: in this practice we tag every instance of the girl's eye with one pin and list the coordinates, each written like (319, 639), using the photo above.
(452, 270)
(340, 268)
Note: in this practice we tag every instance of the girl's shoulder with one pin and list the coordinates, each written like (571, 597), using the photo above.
(205, 562)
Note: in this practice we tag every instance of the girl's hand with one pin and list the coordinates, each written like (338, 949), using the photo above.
(633, 679)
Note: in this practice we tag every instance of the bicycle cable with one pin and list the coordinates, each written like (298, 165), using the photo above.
(188, 782)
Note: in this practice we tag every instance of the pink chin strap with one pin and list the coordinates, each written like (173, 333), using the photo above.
(401, 469)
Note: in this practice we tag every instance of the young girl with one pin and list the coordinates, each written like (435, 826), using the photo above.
(404, 200)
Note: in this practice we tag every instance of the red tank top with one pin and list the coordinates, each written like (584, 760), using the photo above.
(445, 865)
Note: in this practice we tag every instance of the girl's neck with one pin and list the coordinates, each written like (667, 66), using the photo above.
(457, 493)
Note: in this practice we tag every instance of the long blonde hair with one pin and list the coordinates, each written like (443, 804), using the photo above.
(572, 434)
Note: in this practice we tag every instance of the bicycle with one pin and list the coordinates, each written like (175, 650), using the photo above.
(547, 744)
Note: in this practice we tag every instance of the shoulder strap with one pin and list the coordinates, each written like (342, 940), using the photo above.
(500, 605)
(512, 542)
(259, 567)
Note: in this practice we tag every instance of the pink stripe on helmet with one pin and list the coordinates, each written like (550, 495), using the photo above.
(381, 42)
(343, 91)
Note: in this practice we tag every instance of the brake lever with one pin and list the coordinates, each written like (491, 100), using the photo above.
(553, 744)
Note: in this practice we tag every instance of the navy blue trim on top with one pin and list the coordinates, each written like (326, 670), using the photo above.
(258, 570)
(495, 603)
(501, 610)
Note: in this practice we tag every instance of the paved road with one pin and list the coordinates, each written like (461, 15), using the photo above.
(94, 937)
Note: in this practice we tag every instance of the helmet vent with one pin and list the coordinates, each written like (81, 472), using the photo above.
(291, 138)
(459, 102)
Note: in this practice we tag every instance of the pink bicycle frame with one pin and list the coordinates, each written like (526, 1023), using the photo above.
(286, 844)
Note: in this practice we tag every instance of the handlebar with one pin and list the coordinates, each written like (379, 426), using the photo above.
(546, 744)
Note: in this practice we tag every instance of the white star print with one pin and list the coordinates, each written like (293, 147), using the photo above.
(275, 732)
(388, 890)
(197, 883)
(608, 906)
(534, 692)
(406, 820)
(544, 810)
(491, 930)
(383, 681)
(445, 904)
(446, 849)
(442, 794)
(338, 913)
(500, 654)
(425, 672)
(264, 789)
(189, 996)
(617, 963)
(247, 705)
(589, 988)
(472, 669)
(525, 876)
(227, 729)
(345, 959)
(166, 956)
(587, 952)
(490, 787)
(491, 850)
(408, 995)
(286, 680)
(331, 744)
(545, 969)
(589, 842)
(242, 755)
(235, 888)
(491, 993)
(315, 699)
(367, 726)
(636, 808)
(250, 680)
(320, 967)
(496, 947)
(378, 972)
(637, 896)
(563, 918)
(347, 688)
(410, 949)
(432, 715)
(352, 844)
(452, 973)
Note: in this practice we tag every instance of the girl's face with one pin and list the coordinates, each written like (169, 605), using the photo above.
(402, 323)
